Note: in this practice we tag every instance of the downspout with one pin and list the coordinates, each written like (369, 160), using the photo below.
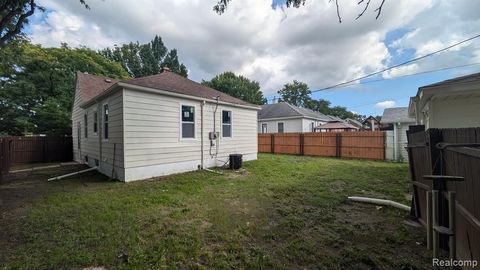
(201, 134)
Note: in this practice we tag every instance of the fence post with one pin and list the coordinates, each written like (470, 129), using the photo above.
(44, 156)
(434, 136)
(272, 143)
(302, 144)
(338, 144)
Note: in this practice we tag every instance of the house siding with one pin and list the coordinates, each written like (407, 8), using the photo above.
(454, 113)
(289, 125)
(94, 146)
(153, 146)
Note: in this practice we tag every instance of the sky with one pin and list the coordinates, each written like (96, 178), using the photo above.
(274, 45)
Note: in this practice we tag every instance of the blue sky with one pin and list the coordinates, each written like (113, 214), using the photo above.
(274, 45)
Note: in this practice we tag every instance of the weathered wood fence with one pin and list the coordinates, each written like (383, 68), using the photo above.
(361, 145)
(20, 150)
(445, 169)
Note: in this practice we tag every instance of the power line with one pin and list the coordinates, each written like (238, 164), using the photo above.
(413, 74)
(398, 65)
(407, 75)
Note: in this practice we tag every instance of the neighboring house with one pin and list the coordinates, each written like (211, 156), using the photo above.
(284, 117)
(453, 103)
(397, 138)
(355, 123)
(371, 123)
(336, 126)
(158, 125)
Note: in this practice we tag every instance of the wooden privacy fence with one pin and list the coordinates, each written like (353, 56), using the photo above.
(20, 150)
(445, 169)
(361, 145)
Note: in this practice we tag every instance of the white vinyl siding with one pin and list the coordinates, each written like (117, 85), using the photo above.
(153, 128)
(95, 147)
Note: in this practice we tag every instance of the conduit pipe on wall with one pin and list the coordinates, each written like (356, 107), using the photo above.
(379, 202)
(202, 104)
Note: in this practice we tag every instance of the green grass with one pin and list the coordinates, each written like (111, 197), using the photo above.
(281, 212)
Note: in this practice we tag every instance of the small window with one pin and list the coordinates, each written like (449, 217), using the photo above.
(226, 124)
(313, 126)
(85, 124)
(95, 122)
(105, 121)
(280, 127)
(188, 121)
(264, 128)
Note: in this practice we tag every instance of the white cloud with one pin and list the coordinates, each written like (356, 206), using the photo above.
(271, 46)
(385, 104)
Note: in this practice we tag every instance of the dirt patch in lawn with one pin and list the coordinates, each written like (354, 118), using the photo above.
(19, 192)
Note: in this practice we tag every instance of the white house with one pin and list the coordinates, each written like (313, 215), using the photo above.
(453, 103)
(284, 117)
(158, 125)
(397, 138)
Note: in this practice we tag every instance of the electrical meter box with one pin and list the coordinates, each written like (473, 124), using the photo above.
(212, 135)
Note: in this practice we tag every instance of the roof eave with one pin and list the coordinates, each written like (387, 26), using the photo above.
(169, 93)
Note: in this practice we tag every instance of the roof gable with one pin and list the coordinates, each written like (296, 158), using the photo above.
(284, 109)
(90, 86)
(396, 115)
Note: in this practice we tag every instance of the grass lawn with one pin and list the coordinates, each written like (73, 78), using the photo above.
(280, 212)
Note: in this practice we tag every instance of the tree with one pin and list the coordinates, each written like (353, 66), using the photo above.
(14, 16)
(320, 105)
(37, 85)
(237, 86)
(146, 59)
(221, 6)
(296, 93)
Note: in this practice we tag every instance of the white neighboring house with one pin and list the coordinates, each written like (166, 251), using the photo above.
(158, 125)
(453, 103)
(283, 117)
(397, 138)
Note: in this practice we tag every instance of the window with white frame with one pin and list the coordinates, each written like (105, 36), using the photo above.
(280, 127)
(95, 122)
(85, 124)
(105, 121)
(188, 122)
(264, 128)
(226, 124)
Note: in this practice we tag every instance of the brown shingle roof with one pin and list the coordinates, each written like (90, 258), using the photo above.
(475, 77)
(91, 86)
(169, 81)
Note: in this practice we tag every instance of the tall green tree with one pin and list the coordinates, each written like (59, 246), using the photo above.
(296, 93)
(237, 86)
(14, 15)
(146, 59)
(37, 85)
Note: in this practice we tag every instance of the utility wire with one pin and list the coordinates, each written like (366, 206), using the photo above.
(397, 65)
(407, 75)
